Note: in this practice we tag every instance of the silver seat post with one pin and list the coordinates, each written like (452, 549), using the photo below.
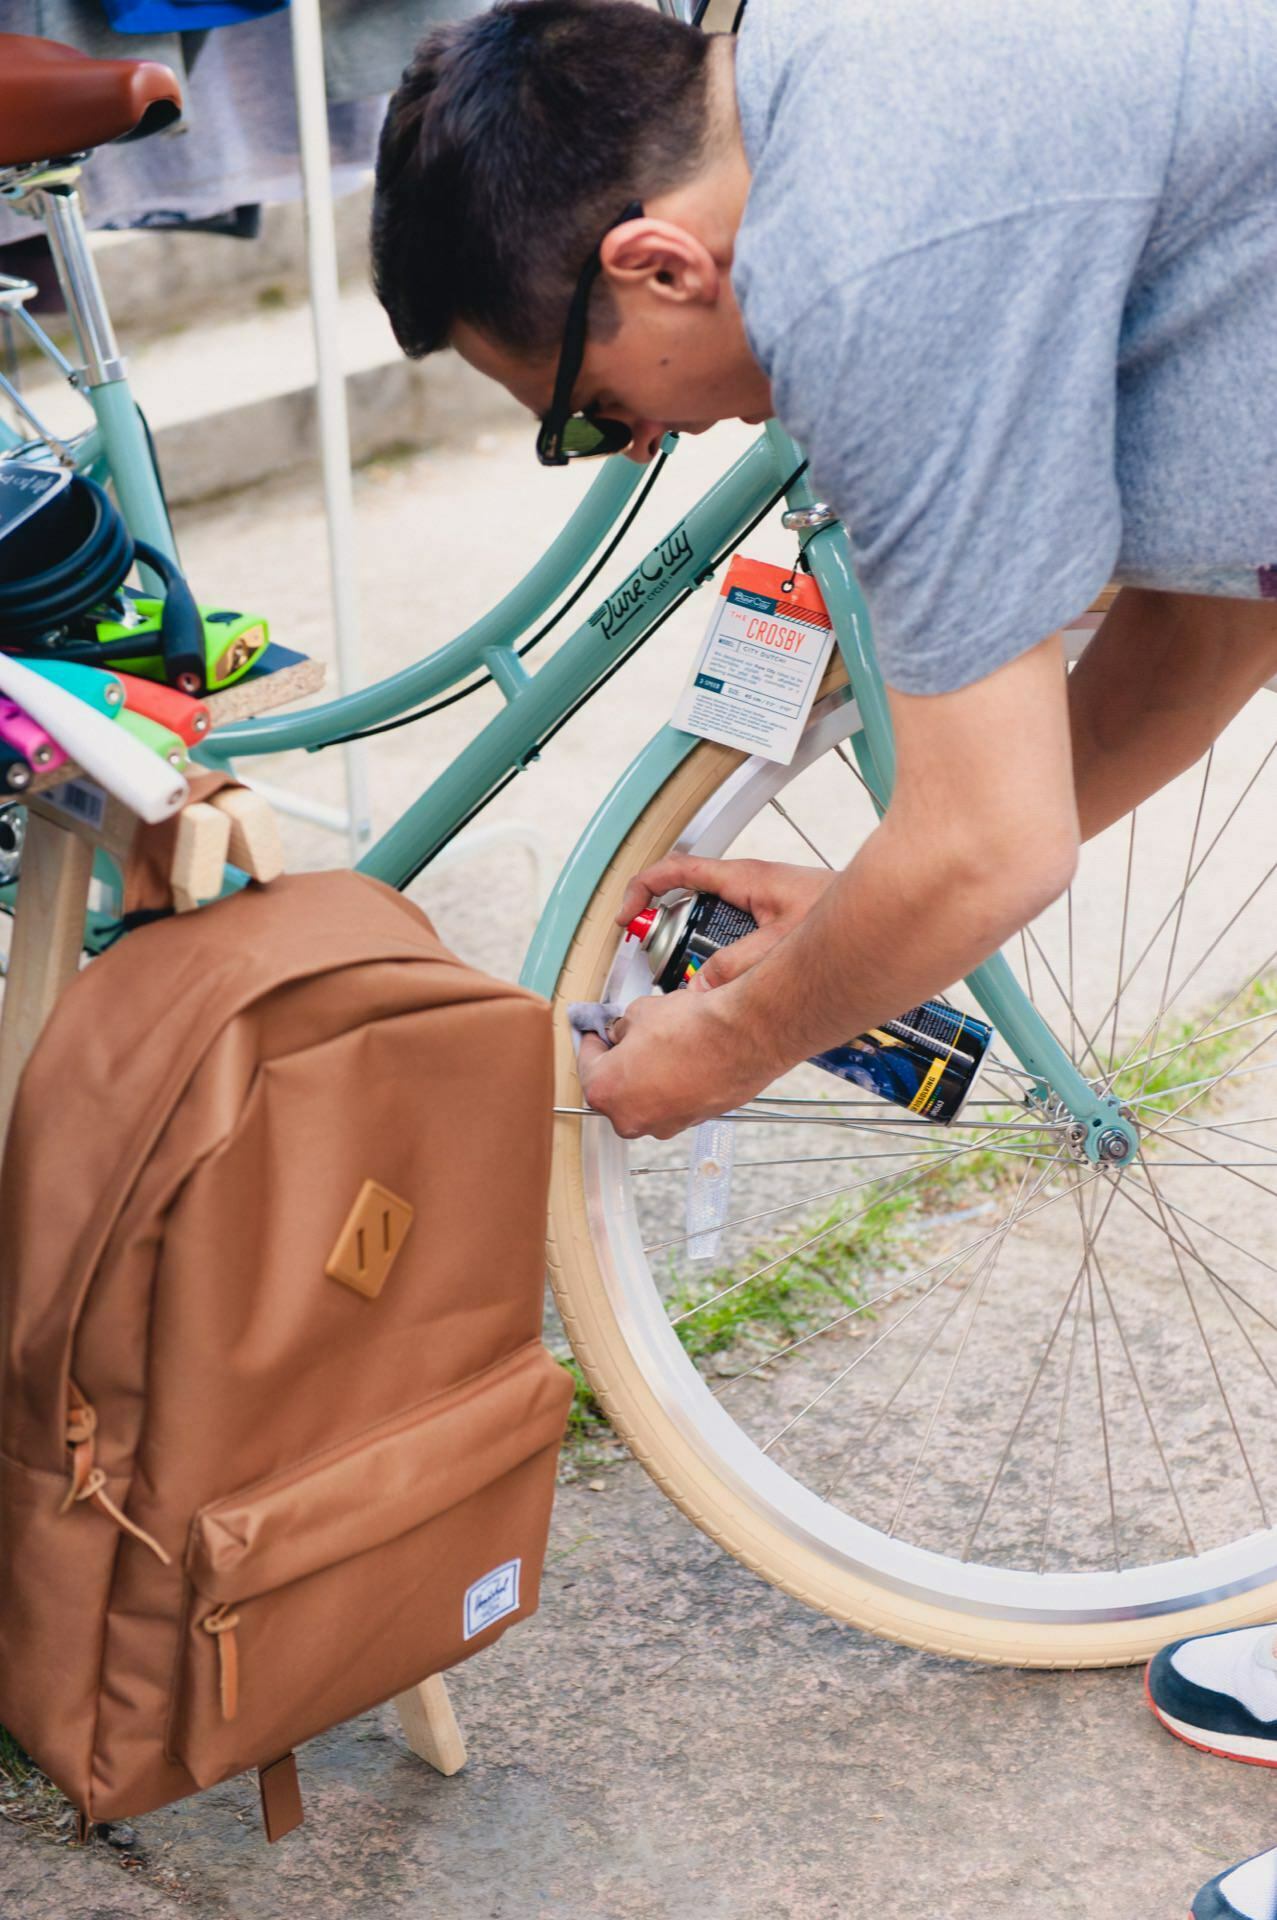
(59, 208)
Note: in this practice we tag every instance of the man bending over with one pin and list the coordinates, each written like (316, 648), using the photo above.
(1009, 275)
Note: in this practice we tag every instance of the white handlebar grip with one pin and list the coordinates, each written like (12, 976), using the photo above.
(118, 761)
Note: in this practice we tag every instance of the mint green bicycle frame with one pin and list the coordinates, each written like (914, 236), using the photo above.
(535, 701)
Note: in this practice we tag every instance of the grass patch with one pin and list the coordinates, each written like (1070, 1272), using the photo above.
(27, 1797)
(802, 1286)
(15, 1765)
(1196, 1059)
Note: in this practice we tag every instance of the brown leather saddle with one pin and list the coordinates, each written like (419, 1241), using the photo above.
(55, 101)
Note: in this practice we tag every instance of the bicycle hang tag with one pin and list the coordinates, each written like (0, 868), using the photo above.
(760, 663)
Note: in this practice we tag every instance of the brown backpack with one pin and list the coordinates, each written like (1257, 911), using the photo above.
(277, 1431)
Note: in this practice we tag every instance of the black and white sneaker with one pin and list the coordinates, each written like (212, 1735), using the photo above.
(1218, 1691)
(1247, 1892)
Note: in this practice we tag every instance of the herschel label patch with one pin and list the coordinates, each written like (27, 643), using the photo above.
(491, 1598)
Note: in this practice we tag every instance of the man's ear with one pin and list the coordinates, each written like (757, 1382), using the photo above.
(670, 261)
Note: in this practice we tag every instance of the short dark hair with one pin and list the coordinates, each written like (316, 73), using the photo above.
(514, 140)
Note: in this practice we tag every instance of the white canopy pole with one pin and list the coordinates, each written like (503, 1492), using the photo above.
(330, 386)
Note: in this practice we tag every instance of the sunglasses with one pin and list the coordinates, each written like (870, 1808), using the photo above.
(564, 435)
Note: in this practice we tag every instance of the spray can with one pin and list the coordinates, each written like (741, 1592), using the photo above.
(926, 1061)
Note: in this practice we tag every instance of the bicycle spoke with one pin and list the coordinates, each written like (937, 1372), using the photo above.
(787, 1206)
(1074, 1022)
(1179, 919)
(806, 838)
(1166, 917)
(1121, 945)
(1064, 1409)
(983, 1277)
(896, 1287)
(1203, 1036)
(1205, 1339)
(747, 1279)
(859, 1361)
(1143, 1399)
(1193, 972)
(893, 1126)
(921, 1353)
(801, 1160)
(1182, 1213)
(1223, 1291)
(1207, 1082)
(1033, 1387)
(849, 763)
(996, 1240)
(1225, 1133)
(1104, 1428)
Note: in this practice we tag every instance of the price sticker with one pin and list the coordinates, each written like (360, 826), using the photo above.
(756, 672)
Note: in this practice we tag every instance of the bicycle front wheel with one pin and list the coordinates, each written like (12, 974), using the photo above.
(957, 1385)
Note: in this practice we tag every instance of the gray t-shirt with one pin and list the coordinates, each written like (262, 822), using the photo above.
(1012, 271)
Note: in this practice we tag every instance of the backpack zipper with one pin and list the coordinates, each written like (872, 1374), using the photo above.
(88, 1482)
(223, 1623)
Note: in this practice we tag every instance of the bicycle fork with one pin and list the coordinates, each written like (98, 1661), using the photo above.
(1100, 1130)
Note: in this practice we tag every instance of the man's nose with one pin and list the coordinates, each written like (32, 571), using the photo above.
(645, 441)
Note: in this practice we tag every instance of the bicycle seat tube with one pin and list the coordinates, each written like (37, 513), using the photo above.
(50, 196)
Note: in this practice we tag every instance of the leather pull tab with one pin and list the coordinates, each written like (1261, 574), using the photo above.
(281, 1797)
(82, 1425)
(223, 1623)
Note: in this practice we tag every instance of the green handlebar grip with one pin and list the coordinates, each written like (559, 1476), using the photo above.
(161, 740)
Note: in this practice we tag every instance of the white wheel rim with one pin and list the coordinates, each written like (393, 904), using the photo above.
(763, 1487)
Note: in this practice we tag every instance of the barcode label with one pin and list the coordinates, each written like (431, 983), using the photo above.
(82, 798)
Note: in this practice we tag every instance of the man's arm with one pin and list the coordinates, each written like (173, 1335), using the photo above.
(1160, 681)
(980, 835)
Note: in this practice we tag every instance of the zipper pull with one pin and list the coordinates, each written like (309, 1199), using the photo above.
(82, 1424)
(223, 1623)
(88, 1482)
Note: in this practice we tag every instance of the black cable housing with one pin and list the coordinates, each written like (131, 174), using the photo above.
(705, 574)
(485, 679)
(97, 555)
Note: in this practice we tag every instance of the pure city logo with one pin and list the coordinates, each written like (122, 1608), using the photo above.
(673, 553)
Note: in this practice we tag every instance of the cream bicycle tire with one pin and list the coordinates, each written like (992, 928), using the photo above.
(671, 1457)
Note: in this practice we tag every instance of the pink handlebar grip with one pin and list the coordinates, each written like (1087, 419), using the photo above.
(22, 732)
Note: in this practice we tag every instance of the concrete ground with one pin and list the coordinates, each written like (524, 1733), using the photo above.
(669, 1737)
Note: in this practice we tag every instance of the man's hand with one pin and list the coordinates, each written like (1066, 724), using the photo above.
(777, 895)
(676, 1061)
(968, 852)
